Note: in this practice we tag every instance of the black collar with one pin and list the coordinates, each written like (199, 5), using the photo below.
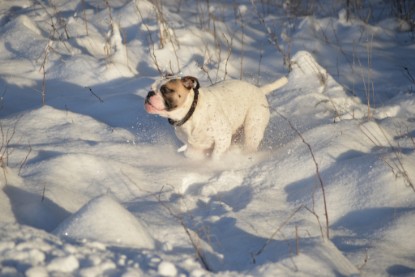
(189, 113)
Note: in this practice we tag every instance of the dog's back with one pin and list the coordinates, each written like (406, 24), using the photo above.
(236, 99)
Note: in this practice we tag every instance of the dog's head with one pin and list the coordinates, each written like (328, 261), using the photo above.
(169, 94)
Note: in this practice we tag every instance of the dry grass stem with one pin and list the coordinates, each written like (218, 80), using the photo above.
(320, 179)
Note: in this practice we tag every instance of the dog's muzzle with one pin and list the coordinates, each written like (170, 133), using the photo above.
(150, 94)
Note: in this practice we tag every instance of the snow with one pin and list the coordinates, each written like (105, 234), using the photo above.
(91, 222)
(92, 185)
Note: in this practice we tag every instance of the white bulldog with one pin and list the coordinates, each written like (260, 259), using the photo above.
(208, 119)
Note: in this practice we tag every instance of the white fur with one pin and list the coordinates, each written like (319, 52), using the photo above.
(222, 109)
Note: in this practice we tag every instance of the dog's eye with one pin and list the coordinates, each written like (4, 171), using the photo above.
(166, 90)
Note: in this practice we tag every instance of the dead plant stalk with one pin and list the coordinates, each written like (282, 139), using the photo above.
(151, 41)
(320, 179)
(6, 137)
(84, 17)
(194, 243)
(42, 69)
(267, 242)
(196, 246)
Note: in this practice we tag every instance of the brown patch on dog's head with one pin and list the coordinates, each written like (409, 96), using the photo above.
(175, 91)
(190, 82)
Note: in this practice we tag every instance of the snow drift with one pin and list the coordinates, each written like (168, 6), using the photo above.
(104, 220)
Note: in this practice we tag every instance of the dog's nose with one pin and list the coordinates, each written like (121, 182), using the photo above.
(149, 95)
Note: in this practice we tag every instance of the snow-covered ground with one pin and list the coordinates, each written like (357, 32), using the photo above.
(92, 185)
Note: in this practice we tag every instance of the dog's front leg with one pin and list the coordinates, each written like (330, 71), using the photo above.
(222, 137)
(222, 144)
(195, 153)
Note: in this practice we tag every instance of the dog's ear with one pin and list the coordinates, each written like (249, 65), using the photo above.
(190, 82)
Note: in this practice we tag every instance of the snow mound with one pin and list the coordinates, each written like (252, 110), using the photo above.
(310, 83)
(106, 220)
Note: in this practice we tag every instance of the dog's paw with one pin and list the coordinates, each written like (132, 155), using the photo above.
(182, 149)
(196, 154)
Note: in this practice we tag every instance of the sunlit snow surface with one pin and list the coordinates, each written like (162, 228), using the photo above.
(91, 185)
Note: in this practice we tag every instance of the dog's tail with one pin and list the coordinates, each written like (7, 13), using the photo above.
(275, 85)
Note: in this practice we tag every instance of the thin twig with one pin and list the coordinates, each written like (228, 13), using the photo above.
(179, 218)
(365, 260)
(297, 241)
(409, 75)
(399, 165)
(25, 159)
(84, 17)
(317, 172)
(153, 53)
(259, 252)
(317, 218)
(43, 69)
(197, 249)
(94, 94)
(229, 55)
(43, 194)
